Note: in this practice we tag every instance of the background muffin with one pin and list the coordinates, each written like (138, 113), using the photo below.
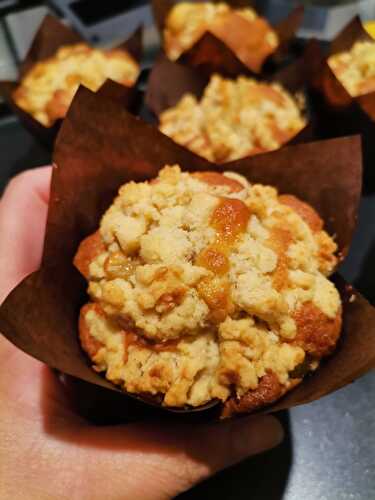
(356, 68)
(234, 119)
(205, 287)
(48, 88)
(249, 36)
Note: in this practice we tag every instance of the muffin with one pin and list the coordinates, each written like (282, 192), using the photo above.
(249, 36)
(234, 119)
(48, 88)
(355, 69)
(206, 288)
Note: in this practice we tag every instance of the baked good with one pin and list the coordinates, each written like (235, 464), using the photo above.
(48, 88)
(234, 119)
(204, 287)
(355, 69)
(249, 36)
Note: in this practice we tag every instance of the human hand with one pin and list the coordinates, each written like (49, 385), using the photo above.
(70, 458)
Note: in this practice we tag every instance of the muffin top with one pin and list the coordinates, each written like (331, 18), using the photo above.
(356, 68)
(206, 287)
(48, 88)
(234, 119)
(249, 36)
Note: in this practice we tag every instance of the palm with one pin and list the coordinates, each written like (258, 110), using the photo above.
(36, 402)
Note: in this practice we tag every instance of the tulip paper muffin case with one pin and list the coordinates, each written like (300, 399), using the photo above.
(225, 37)
(223, 119)
(43, 94)
(342, 91)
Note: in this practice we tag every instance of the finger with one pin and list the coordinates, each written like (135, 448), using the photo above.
(227, 443)
(23, 213)
(165, 461)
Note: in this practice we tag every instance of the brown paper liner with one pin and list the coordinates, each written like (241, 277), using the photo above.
(99, 147)
(169, 81)
(51, 35)
(211, 55)
(338, 112)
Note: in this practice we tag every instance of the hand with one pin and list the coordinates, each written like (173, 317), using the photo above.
(49, 452)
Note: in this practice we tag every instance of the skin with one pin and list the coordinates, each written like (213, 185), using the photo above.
(47, 451)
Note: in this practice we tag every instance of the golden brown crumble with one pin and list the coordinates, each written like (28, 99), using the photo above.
(234, 119)
(248, 35)
(48, 88)
(204, 286)
(356, 68)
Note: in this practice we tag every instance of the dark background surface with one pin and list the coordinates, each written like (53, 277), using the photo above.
(329, 450)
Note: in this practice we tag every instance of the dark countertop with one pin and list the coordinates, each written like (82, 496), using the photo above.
(329, 451)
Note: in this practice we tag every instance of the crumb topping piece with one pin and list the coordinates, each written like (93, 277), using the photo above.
(205, 287)
(355, 68)
(48, 88)
(234, 119)
(249, 36)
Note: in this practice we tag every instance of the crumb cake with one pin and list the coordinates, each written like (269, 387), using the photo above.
(48, 88)
(204, 288)
(249, 36)
(234, 119)
(355, 69)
